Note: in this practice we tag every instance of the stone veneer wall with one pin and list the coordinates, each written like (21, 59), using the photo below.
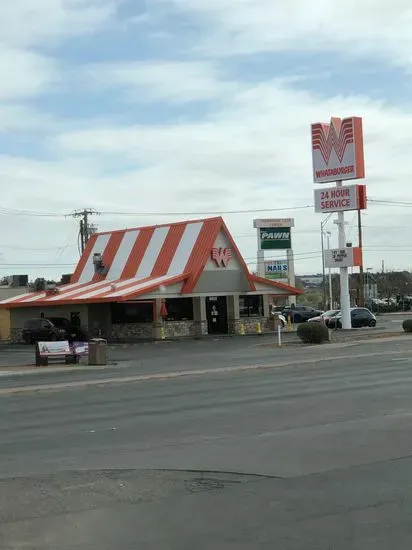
(178, 329)
(250, 324)
(131, 331)
(145, 331)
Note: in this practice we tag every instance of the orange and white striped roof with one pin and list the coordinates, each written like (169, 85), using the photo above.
(139, 261)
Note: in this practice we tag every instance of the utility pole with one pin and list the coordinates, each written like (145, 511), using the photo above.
(86, 229)
(361, 281)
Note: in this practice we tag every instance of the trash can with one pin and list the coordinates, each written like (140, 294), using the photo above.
(98, 351)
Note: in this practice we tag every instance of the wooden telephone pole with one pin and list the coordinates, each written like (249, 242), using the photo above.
(86, 229)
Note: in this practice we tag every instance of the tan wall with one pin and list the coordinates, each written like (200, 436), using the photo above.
(4, 324)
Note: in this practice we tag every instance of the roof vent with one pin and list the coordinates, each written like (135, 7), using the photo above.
(51, 288)
(98, 264)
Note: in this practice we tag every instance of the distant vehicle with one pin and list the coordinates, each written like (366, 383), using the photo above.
(360, 317)
(324, 318)
(300, 314)
(51, 329)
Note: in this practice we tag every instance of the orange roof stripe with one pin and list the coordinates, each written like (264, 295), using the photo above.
(137, 253)
(84, 259)
(168, 249)
(201, 252)
(109, 253)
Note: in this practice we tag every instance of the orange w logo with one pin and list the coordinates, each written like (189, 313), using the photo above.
(334, 136)
(221, 256)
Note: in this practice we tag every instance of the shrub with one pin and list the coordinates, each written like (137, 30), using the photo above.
(313, 333)
(407, 325)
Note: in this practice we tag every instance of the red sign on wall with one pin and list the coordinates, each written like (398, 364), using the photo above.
(221, 256)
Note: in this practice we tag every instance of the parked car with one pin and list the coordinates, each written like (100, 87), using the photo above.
(52, 329)
(324, 318)
(360, 317)
(300, 314)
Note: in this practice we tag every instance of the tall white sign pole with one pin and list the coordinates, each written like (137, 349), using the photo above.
(344, 274)
(260, 257)
(291, 269)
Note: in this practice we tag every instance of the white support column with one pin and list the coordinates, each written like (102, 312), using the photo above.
(260, 267)
(344, 274)
(291, 271)
(199, 314)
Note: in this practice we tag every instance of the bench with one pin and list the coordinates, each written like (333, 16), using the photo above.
(56, 351)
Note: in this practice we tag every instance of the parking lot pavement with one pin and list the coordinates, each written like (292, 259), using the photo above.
(309, 456)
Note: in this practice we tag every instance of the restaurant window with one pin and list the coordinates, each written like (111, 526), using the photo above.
(133, 312)
(179, 309)
(251, 306)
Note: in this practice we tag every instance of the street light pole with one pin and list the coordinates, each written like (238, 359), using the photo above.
(361, 275)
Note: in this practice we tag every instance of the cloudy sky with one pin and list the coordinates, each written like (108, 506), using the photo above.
(167, 108)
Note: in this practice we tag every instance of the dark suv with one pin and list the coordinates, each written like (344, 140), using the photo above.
(300, 314)
(51, 329)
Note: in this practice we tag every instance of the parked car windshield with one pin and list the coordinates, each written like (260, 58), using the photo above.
(330, 313)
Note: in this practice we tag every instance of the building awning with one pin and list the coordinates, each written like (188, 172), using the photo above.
(106, 291)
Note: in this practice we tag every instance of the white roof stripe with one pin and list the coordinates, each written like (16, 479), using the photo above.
(99, 246)
(32, 297)
(185, 248)
(105, 288)
(139, 286)
(63, 295)
(122, 254)
(152, 252)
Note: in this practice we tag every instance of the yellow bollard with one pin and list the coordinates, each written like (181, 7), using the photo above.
(242, 329)
(289, 327)
(258, 328)
(162, 333)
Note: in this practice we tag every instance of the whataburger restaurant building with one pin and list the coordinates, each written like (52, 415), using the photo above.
(181, 279)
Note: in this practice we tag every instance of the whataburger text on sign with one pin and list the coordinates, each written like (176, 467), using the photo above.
(337, 150)
(335, 199)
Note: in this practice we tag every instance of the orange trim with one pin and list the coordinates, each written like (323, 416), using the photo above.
(359, 151)
(281, 286)
(168, 250)
(83, 260)
(137, 253)
(362, 198)
(357, 256)
(109, 253)
(201, 252)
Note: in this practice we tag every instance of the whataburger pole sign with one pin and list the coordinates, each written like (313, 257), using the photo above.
(337, 155)
(337, 150)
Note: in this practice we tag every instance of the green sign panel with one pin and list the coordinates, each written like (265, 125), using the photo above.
(272, 238)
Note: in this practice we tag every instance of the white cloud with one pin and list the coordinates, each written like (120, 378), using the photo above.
(174, 81)
(256, 150)
(24, 73)
(33, 22)
(353, 27)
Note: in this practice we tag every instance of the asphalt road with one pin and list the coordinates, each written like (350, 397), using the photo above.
(312, 451)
